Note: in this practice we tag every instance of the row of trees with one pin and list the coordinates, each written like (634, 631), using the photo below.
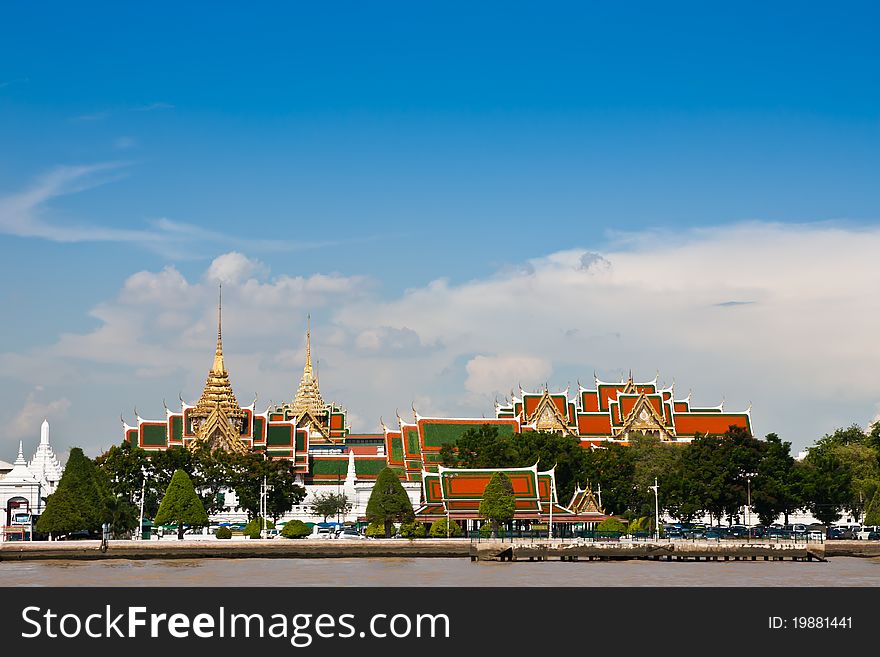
(389, 504)
(109, 489)
(713, 475)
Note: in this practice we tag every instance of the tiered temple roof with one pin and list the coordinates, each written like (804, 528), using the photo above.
(217, 420)
(308, 395)
(457, 493)
(44, 464)
(612, 411)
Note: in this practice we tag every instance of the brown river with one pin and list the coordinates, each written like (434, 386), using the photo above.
(838, 571)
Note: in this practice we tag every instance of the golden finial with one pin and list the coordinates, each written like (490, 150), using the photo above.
(219, 366)
(309, 341)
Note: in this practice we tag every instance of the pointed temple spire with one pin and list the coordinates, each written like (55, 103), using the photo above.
(217, 416)
(44, 464)
(308, 395)
(219, 366)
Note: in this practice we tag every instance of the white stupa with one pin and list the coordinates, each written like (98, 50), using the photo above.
(20, 474)
(44, 465)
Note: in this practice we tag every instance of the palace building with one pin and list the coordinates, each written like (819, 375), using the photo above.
(315, 435)
(611, 411)
(307, 430)
(25, 485)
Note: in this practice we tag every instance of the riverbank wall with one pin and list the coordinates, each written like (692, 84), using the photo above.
(226, 549)
(519, 550)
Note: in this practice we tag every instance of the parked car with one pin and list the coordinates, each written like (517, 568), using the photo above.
(841, 533)
(869, 533)
(350, 533)
(322, 533)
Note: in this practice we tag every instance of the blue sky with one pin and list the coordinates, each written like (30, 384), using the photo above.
(401, 149)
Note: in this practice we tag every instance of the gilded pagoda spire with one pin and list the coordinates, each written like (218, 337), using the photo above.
(308, 395)
(217, 418)
(219, 365)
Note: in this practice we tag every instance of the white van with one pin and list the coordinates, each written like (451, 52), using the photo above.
(866, 531)
(322, 533)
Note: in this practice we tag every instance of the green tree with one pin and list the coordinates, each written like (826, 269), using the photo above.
(484, 447)
(854, 456)
(777, 487)
(124, 465)
(254, 527)
(181, 505)
(330, 504)
(296, 529)
(564, 454)
(499, 503)
(375, 530)
(613, 468)
(652, 459)
(80, 501)
(389, 502)
(872, 510)
(122, 516)
(246, 472)
(611, 525)
(438, 529)
(412, 530)
(710, 475)
(827, 484)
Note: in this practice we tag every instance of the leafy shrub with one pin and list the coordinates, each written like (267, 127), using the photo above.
(438, 529)
(224, 532)
(610, 525)
(412, 530)
(296, 529)
(639, 525)
(255, 526)
(375, 530)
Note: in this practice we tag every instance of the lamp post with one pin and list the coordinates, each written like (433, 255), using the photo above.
(656, 488)
(140, 533)
(748, 476)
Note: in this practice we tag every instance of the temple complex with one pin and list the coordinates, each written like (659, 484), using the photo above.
(456, 493)
(25, 485)
(315, 435)
(307, 430)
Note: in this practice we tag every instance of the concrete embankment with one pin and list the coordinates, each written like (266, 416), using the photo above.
(520, 550)
(852, 549)
(657, 551)
(232, 549)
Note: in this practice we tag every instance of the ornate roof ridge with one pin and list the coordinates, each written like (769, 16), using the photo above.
(308, 394)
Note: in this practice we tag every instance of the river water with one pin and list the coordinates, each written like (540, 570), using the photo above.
(838, 571)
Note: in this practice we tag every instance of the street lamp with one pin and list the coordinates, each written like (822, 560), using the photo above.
(140, 533)
(748, 476)
(656, 488)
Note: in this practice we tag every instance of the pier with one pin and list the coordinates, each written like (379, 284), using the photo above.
(545, 550)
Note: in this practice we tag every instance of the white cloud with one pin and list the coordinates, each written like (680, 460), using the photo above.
(26, 422)
(802, 350)
(498, 374)
(124, 143)
(233, 267)
(27, 213)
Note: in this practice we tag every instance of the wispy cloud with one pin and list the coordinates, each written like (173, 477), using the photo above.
(9, 83)
(152, 107)
(124, 143)
(34, 410)
(93, 116)
(731, 304)
(28, 213)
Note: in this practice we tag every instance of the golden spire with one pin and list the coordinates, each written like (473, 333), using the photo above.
(219, 366)
(308, 395)
(217, 418)
(308, 343)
